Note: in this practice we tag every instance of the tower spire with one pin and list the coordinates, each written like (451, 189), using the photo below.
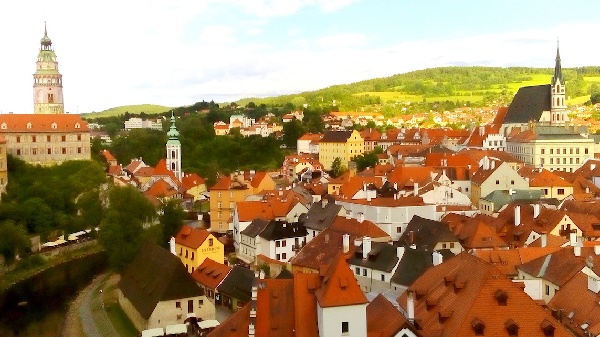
(557, 67)
(45, 42)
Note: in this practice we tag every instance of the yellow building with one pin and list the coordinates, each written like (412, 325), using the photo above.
(340, 144)
(46, 139)
(192, 246)
(233, 188)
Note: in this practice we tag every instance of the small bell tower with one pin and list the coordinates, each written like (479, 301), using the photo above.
(558, 106)
(47, 81)
(174, 150)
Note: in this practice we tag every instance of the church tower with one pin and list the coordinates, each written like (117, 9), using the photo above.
(558, 107)
(174, 150)
(47, 81)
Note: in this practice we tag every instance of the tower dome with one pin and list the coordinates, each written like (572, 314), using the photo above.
(173, 133)
(45, 41)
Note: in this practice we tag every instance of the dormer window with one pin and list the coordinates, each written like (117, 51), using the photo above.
(3, 126)
(77, 125)
(478, 327)
(548, 328)
(501, 297)
(512, 328)
(29, 125)
(53, 125)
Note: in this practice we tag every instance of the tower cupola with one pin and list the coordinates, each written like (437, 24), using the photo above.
(45, 42)
(47, 80)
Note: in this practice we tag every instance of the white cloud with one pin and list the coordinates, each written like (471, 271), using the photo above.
(342, 41)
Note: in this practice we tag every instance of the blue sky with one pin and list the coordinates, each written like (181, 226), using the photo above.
(179, 52)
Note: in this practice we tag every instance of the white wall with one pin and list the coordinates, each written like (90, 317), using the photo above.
(330, 320)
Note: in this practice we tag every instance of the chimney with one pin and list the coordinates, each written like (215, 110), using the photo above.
(481, 130)
(368, 195)
(416, 189)
(254, 297)
(517, 215)
(493, 164)
(396, 186)
(366, 246)
(172, 246)
(411, 239)
(346, 243)
(597, 250)
(348, 214)
(587, 189)
(577, 250)
(410, 306)
(592, 167)
(324, 202)
(544, 239)
(326, 237)
(437, 258)
(536, 210)
(361, 217)
(572, 239)
(400, 252)
(486, 163)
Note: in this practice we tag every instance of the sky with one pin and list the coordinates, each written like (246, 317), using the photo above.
(179, 52)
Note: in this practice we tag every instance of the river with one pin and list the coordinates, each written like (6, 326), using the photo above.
(37, 306)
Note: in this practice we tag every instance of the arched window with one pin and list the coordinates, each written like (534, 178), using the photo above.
(172, 166)
(173, 156)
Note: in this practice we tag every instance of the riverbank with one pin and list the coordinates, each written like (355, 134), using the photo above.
(38, 263)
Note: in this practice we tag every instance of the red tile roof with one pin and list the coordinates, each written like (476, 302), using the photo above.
(384, 320)
(191, 237)
(464, 292)
(306, 304)
(267, 209)
(161, 189)
(210, 273)
(339, 287)
(539, 177)
(235, 325)
(191, 180)
(43, 123)
(275, 308)
(507, 260)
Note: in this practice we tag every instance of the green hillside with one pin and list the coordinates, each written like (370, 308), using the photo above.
(453, 86)
(148, 109)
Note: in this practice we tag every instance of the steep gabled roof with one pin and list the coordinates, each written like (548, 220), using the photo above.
(210, 273)
(339, 287)
(507, 260)
(528, 104)
(275, 308)
(305, 285)
(161, 189)
(238, 284)
(560, 266)
(321, 214)
(382, 257)
(465, 293)
(277, 230)
(191, 180)
(426, 233)
(153, 276)
(191, 237)
(235, 325)
(542, 177)
(255, 227)
(336, 136)
(384, 320)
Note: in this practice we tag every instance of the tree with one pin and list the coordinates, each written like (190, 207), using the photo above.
(595, 98)
(337, 168)
(13, 240)
(291, 132)
(171, 220)
(121, 229)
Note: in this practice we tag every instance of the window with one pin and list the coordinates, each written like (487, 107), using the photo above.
(186, 253)
(543, 151)
(190, 306)
(283, 256)
(547, 290)
(200, 303)
(497, 182)
(18, 139)
(78, 137)
(64, 150)
(512, 182)
(345, 327)
(192, 255)
(18, 152)
(357, 270)
(551, 151)
(78, 150)
(210, 242)
(383, 277)
(365, 272)
(585, 150)
(177, 304)
(278, 257)
(48, 138)
(560, 191)
(63, 138)
(283, 243)
(219, 194)
(33, 139)
(398, 229)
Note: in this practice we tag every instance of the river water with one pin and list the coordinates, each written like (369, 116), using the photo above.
(37, 306)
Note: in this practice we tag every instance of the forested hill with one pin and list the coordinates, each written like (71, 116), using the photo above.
(459, 85)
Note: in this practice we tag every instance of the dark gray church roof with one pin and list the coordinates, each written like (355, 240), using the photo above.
(528, 104)
(382, 256)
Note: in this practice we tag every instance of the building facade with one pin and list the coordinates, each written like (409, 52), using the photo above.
(46, 139)
(340, 144)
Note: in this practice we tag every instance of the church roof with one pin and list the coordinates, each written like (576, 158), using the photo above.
(528, 104)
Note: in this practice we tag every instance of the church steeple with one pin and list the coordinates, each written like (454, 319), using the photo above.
(558, 106)
(47, 81)
(557, 68)
(174, 150)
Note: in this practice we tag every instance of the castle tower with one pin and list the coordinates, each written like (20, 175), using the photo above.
(174, 150)
(47, 81)
(558, 107)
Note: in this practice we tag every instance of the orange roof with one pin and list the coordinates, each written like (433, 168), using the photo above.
(162, 170)
(355, 184)
(464, 293)
(161, 189)
(339, 287)
(384, 320)
(210, 273)
(107, 155)
(191, 237)
(235, 325)
(507, 260)
(306, 304)
(191, 180)
(540, 177)
(114, 170)
(275, 308)
(265, 209)
(314, 137)
(408, 175)
(43, 123)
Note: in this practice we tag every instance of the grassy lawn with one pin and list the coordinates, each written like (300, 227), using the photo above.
(578, 100)
(115, 314)
(393, 96)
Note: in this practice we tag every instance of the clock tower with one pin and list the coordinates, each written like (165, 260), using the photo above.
(47, 81)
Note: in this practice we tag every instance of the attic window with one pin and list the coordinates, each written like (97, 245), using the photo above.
(3, 126)
(53, 125)
(29, 125)
(512, 328)
(343, 282)
(501, 297)
(77, 125)
(548, 328)
(478, 327)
